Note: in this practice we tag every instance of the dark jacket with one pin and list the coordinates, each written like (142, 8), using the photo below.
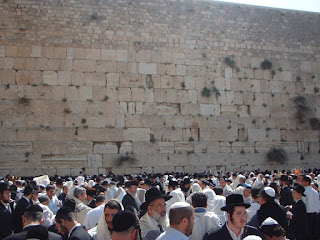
(92, 203)
(22, 235)
(298, 223)
(128, 200)
(6, 220)
(223, 233)
(286, 196)
(79, 233)
(274, 210)
(17, 219)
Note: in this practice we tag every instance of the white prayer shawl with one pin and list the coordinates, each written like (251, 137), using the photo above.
(120, 194)
(236, 182)
(215, 207)
(258, 183)
(177, 196)
(209, 193)
(204, 222)
(81, 210)
(44, 179)
(93, 216)
(227, 191)
(195, 188)
(101, 231)
(252, 210)
(111, 192)
(147, 223)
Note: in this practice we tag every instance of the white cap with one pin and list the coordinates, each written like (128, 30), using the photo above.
(268, 222)
(180, 205)
(252, 237)
(270, 191)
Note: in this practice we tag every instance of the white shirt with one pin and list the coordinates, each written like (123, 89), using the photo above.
(93, 217)
(311, 200)
(172, 234)
(54, 205)
(233, 235)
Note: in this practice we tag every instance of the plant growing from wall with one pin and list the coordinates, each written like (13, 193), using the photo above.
(315, 123)
(277, 155)
(152, 138)
(24, 101)
(230, 62)
(266, 65)
(206, 92)
(127, 158)
(302, 108)
(191, 139)
(67, 111)
(105, 98)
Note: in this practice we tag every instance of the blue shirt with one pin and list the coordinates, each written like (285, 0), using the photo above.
(172, 234)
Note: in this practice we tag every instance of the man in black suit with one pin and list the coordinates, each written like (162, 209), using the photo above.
(131, 198)
(32, 219)
(66, 224)
(22, 205)
(6, 211)
(298, 215)
(235, 227)
(286, 193)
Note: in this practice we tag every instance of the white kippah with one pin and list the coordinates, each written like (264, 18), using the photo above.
(180, 205)
(252, 237)
(270, 191)
(269, 221)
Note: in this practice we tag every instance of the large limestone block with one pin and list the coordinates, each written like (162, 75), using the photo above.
(84, 65)
(124, 94)
(15, 147)
(137, 134)
(257, 135)
(80, 147)
(50, 77)
(105, 148)
(147, 68)
(168, 109)
(138, 94)
(207, 109)
(166, 147)
(190, 109)
(100, 134)
(108, 54)
(95, 79)
(224, 134)
(64, 160)
(169, 135)
(133, 121)
(143, 56)
(92, 54)
(35, 51)
(126, 147)
(121, 55)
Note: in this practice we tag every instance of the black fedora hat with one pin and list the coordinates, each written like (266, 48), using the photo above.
(234, 200)
(299, 188)
(151, 195)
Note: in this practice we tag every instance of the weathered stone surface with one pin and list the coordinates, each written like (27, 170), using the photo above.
(147, 68)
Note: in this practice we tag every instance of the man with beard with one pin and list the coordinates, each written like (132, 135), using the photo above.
(66, 224)
(6, 210)
(181, 217)
(131, 198)
(235, 227)
(155, 212)
(104, 228)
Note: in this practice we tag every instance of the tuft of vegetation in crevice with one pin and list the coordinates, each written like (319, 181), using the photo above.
(266, 65)
(302, 108)
(24, 101)
(315, 123)
(152, 138)
(277, 155)
(206, 92)
(127, 158)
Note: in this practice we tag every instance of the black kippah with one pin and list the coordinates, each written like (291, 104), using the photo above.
(123, 220)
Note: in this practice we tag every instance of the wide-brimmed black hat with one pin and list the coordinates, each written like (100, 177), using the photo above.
(234, 200)
(130, 183)
(123, 220)
(4, 186)
(299, 188)
(151, 195)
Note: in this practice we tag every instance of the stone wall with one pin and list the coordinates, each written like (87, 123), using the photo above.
(152, 86)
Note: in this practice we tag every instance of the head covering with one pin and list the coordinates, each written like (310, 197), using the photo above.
(123, 220)
(269, 191)
(130, 183)
(299, 188)
(4, 186)
(234, 200)
(252, 237)
(153, 194)
(269, 222)
(180, 205)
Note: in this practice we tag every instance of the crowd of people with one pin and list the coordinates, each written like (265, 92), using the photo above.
(223, 205)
